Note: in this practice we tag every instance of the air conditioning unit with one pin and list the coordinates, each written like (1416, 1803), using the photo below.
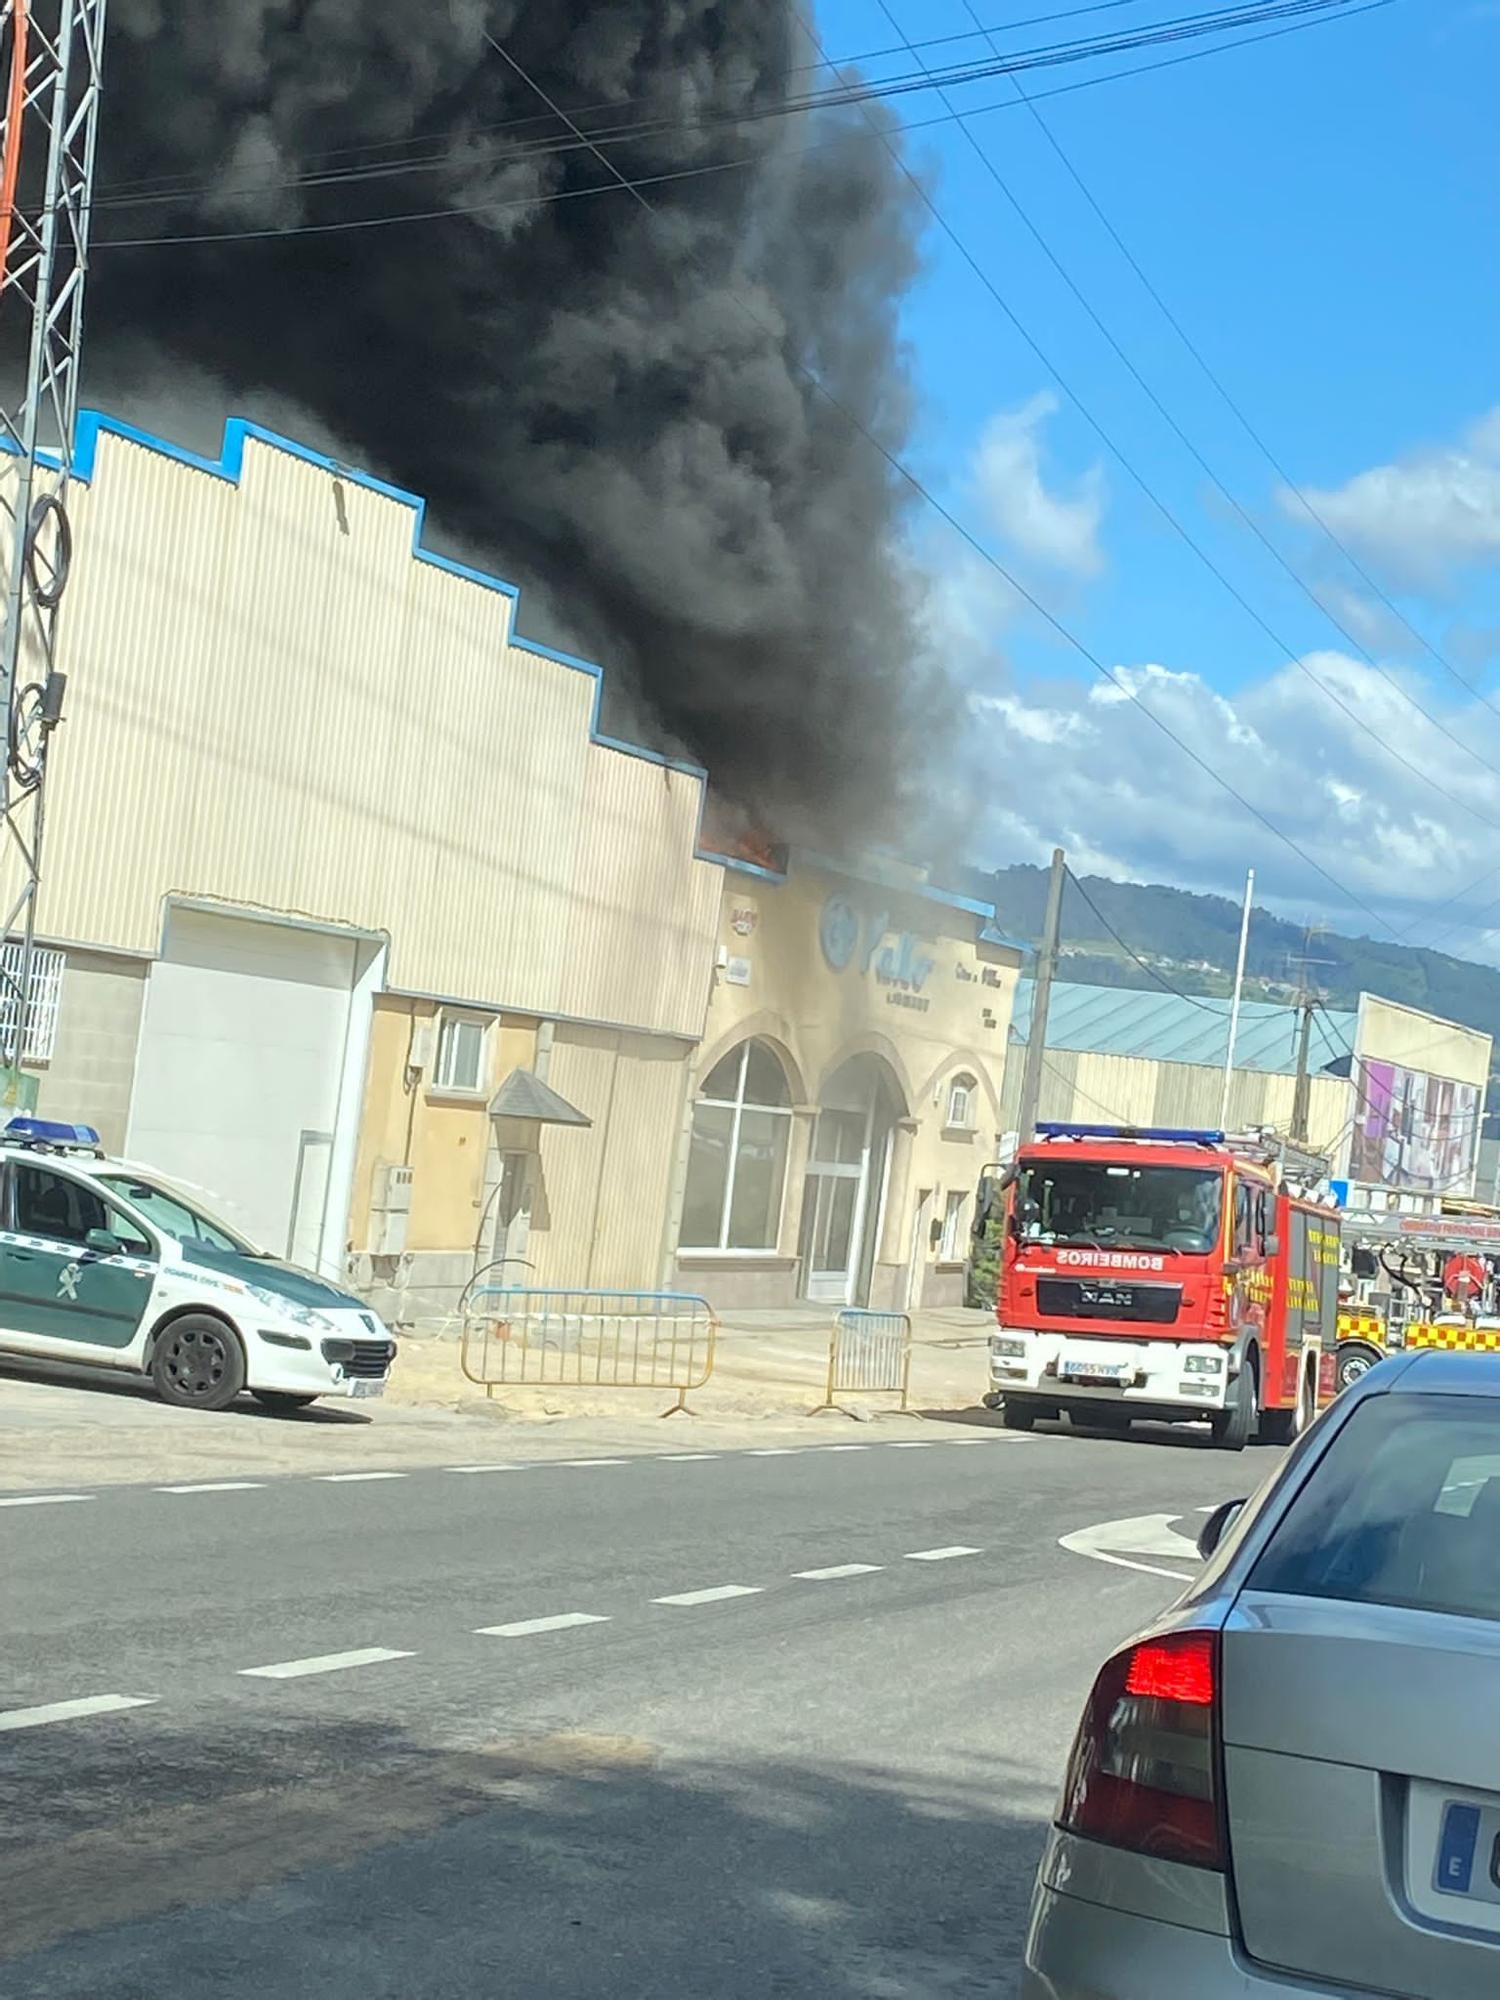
(390, 1211)
(423, 1035)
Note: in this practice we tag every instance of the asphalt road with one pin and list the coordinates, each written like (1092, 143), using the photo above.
(739, 1725)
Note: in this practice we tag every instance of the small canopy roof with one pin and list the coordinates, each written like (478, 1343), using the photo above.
(524, 1095)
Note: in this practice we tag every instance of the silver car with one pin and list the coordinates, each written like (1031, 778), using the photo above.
(1289, 1787)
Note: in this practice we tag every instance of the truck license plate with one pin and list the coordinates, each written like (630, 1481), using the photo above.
(1094, 1371)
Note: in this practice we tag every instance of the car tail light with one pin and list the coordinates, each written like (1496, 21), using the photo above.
(1144, 1772)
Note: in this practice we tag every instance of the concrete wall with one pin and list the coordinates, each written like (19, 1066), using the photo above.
(89, 1078)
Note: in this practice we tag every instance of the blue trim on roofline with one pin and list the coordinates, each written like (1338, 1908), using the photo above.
(238, 431)
(870, 871)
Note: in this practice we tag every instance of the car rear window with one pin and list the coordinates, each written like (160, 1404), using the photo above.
(1403, 1509)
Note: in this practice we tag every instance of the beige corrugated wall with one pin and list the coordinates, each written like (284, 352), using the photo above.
(273, 704)
(606, 1188)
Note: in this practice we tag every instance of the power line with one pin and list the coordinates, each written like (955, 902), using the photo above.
(905, 473)
(1235, 408)
(150, 189)
(1202, 1005)
(1166, 512)
(460, 211)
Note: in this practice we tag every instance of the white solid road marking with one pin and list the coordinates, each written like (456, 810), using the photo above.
(218, 1486)
(324, 1663)
(593, 1461)
(484, 1468)
(842, 1569)
(941, 1555)
(687, 1457)
(715, 1596)
(350, 1478)
(527, 1626)
(43, 1499)
(65, 1711)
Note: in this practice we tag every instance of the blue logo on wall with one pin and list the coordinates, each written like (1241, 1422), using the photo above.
(838, 929)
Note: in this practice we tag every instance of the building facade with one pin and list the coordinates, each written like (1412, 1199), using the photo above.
(356, 922)
(847, 1094)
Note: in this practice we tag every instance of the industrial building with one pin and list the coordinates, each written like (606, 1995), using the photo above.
(355, 920)
(1395, 1096)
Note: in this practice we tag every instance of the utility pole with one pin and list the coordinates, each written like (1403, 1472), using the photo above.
(1041, 1001)
(51, 57)
(1302, 1091)
(1234, 1005)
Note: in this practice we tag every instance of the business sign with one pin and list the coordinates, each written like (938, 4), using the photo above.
(1413, 1131)
(901, 964)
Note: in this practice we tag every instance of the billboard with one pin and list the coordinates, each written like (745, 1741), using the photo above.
(1413, 1130)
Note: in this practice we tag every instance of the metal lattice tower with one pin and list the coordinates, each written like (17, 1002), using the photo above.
(51, 56)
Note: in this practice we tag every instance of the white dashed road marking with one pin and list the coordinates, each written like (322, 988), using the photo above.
(66, 1711)
(841, 1447)
(43, 1499)
(484, 1468)
(841, 1569)
(688, 1457)
(715, 1596)
(352, 1478)
(218, 1486)
(911, 1444)
(941, 1555)
(593, 1461)
(324, 1663)
(775, 1451)
(525, 1627)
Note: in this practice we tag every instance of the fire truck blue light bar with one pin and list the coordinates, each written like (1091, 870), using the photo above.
(1169, 1135)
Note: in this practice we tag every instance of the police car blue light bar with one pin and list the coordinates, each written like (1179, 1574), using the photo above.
(49, 1132)
(1167, 1135)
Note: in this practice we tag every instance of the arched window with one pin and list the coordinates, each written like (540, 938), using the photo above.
(742, 1125)
(963, 1102)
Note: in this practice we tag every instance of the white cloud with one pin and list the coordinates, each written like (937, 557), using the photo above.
(1086, 769)
(1046, 525)
(1425, 517)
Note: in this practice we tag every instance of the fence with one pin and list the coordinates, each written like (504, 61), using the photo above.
(869, 1353)
(589, 1340)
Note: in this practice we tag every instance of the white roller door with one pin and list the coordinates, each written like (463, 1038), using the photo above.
(240, 1067)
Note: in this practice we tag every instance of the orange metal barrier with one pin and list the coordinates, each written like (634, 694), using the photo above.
(589, 1340)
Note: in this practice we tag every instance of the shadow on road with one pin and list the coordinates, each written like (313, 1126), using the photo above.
(83, 1381)
(273, 1861)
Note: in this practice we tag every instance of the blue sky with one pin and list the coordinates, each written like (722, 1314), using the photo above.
(1320, 213)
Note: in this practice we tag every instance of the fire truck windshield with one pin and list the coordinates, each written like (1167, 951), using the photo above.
(1110, 1205)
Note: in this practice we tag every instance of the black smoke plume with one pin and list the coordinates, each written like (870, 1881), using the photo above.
(609, 405)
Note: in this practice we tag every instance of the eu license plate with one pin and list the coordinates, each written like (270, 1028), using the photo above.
(1468, 1857)
(361, 1390)
(1094, 1371)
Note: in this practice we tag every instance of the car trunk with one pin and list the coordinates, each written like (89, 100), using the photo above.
(1362, 1780)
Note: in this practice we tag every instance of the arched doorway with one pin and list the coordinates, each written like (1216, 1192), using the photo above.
(844, 1194)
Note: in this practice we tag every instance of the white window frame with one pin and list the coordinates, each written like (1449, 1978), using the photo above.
(961, 1118)
(955, 1202)
(738, 1106)
(443, 1083)
(47, 969)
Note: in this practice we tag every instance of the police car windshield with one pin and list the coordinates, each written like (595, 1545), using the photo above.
(1108, 1206)
(174, 1213)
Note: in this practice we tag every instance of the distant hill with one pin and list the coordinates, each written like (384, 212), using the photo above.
(1192, 941)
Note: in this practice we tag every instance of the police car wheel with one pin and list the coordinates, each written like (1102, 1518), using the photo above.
(281, 1400)
(198, 1364)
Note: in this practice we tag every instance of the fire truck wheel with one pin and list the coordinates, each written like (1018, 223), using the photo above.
(1353, 1361)
(1235, 1426)
(1286, 1426)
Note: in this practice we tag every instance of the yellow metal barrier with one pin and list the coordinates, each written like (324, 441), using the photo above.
(869, 1353)
(589, 1340)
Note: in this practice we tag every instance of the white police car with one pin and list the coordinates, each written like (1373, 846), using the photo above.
(103, 1263)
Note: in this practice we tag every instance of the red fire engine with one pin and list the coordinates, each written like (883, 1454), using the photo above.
(1163, 1274)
